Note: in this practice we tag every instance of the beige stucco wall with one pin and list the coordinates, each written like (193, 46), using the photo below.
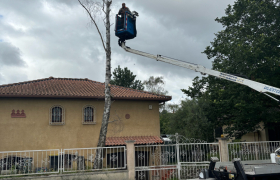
(259, 135)
(35, 133)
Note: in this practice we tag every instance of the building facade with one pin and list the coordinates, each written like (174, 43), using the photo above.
(57, 113)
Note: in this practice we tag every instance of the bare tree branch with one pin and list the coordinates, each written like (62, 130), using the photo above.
(103, 7)
(92, 19)
(113, 121)
(104, 21)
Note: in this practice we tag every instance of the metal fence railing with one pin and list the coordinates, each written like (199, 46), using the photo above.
(14, 163)
(249, 151)
(194, 157)
(155, 155)
(188, 159)
(198, 152)
(89, 159)
(170, 154)
(165, 173)
(191, 171)
(29, 162)
(165, 160)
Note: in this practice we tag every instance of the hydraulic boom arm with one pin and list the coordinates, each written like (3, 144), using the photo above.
(262, 88)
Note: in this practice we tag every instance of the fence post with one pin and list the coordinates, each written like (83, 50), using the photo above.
(178, 155)
(130, 159)
(60, 163)
(223, 149)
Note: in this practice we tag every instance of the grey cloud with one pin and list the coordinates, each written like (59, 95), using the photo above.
(28, 9)
(1, 79)
(12, 74)
(181, 29)
(67, 2)
(59, 42)
(10, 55)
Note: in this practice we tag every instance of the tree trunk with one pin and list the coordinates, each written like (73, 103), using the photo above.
(107, 106)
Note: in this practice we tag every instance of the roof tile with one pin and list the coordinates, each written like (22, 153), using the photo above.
(73, 88)
(116, 141)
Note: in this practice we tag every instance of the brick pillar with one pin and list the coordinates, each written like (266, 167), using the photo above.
(130, 159)
(223, 149)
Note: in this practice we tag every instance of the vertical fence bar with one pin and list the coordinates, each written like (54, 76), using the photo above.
(178, 156)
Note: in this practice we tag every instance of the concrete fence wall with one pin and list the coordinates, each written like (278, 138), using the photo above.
(108, 175)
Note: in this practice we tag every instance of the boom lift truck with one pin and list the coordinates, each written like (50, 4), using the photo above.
(260, 171)
(270, 170)
(127, 30)
(262, 88)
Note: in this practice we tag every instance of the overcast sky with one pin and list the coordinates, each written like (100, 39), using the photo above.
(43, 38)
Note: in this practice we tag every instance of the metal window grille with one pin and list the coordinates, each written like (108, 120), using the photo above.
(88, 115)
(56, 115)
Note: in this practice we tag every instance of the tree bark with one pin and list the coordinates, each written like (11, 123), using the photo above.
(107, 105)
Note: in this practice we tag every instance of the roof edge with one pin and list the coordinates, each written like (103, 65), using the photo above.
(83, 97)
(46, 79)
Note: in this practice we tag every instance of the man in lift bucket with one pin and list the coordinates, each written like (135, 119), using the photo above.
(121, 13)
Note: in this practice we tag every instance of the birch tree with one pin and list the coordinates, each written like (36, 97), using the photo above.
(155, 85)
(94, 9)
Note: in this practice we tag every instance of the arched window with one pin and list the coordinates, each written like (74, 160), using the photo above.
(88, 115)
(56, 115)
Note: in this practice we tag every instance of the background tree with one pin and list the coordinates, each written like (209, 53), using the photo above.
(124, 77)
(155, 85)
(165, 119)
(172, 108)
(94, 9)
(189, 120)
(247, 47)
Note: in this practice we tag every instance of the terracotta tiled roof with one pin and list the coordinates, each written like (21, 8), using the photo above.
(118, 141)
(73, 88)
